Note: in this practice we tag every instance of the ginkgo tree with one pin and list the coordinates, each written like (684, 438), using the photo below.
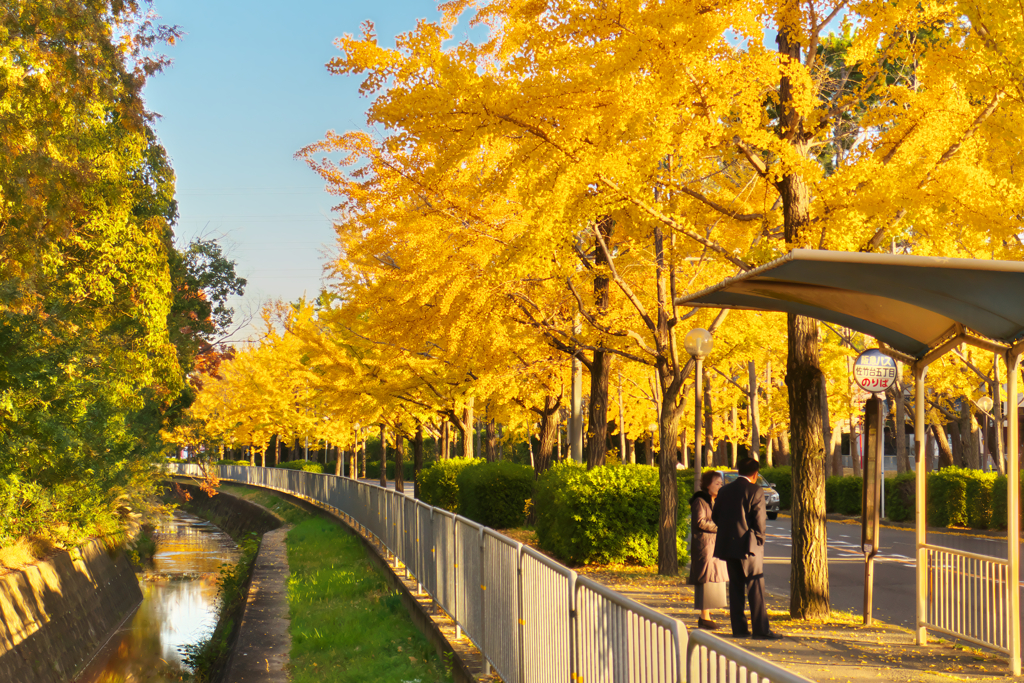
(731, 133)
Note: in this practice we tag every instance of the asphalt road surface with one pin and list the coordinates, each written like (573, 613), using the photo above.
(894, 596)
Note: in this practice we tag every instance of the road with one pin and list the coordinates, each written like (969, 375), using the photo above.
(894, 599)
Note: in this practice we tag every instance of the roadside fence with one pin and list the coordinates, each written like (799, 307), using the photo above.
(533, 619)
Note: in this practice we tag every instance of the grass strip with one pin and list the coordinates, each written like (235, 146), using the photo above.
(347, 624)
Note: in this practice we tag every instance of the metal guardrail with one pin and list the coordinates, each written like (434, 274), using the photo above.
(534, 620)
(709, 658)
(968, 596)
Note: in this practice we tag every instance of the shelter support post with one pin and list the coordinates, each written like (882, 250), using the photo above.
(1013, 506)
(920, 529)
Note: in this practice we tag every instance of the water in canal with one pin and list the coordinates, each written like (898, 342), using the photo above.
(178, 606)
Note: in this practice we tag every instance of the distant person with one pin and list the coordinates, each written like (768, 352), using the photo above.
(707, 573)
(740, 515)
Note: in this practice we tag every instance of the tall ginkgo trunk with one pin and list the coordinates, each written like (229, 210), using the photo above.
(548, 433)
(399, 461)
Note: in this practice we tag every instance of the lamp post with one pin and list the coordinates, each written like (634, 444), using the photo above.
(698, 343)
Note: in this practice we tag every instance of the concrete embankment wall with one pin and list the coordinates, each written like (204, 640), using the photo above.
(55, 613)
(236, 516)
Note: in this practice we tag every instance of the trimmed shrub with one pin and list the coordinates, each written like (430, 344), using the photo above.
(999, 489)
(956, 497)
(844, 495)
(239, 463)
(495, 493)
(609, 514)
(408, 469)
(949, 491)
(438, 484)
(782, 477)
(900, 494)
(304, 466)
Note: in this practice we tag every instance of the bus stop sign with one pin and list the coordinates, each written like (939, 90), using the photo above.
(874, 372)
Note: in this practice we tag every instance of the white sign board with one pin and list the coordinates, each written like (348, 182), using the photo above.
(874, 372)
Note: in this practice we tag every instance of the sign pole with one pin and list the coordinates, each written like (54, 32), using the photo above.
(871, 521)
(874, 372)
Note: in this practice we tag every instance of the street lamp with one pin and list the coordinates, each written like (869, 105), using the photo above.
(698, 343)
(985, 403)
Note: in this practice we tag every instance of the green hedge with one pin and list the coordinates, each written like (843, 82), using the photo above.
(240, 463)
(609, 514)
(844, 495)
(408, 469)
(438, 484)
(956, 497)
(899, 497)
(304, 465)
(495, 493)
(782, 477)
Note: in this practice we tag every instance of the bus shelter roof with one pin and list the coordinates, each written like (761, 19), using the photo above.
(913, 305)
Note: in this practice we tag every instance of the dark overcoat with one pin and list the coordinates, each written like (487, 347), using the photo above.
(704, 566)
(741, 518)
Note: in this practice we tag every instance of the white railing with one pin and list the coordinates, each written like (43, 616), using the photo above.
(712, 659)
(968, 596)
(534, 620)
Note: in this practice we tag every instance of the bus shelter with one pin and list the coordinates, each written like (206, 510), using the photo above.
(919, 308)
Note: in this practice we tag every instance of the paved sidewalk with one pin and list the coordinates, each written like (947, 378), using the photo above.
(841, 649)
(263, 645)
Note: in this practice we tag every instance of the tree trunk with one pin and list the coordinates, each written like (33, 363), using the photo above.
(337, 463)
(668, 504)
(837, 452)
(900, 424)
(826, 430)
(468, 432)
(362, 449)
(854, 450)
(945, 452)
(417, 460)
(600, 369)
(929, 446)
(956, 443)
(492, 441)
(383, 457)
(399, 461)
(997, 419)
(783, 449)
(445, 436)
(734, 449)
(755, 412)
(548, 434)
(809, 596)
(709, 423)
(971, 444)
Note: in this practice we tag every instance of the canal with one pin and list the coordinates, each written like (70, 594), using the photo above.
(178, 607)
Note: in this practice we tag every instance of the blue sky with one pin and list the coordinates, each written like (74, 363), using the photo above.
(247, 89)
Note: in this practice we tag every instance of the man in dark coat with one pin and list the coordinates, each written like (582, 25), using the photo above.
(740, 516)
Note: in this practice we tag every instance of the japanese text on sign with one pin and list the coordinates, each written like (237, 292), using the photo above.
(874, 372)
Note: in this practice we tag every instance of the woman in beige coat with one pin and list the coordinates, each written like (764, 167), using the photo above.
(707, 573)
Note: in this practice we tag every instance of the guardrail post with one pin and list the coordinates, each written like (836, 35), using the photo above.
(483, 601)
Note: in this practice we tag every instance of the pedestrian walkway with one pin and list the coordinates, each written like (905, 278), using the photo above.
(841, 649)
(261, 650)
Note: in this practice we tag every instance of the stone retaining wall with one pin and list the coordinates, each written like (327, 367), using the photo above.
(236, 516)
(55, 613)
